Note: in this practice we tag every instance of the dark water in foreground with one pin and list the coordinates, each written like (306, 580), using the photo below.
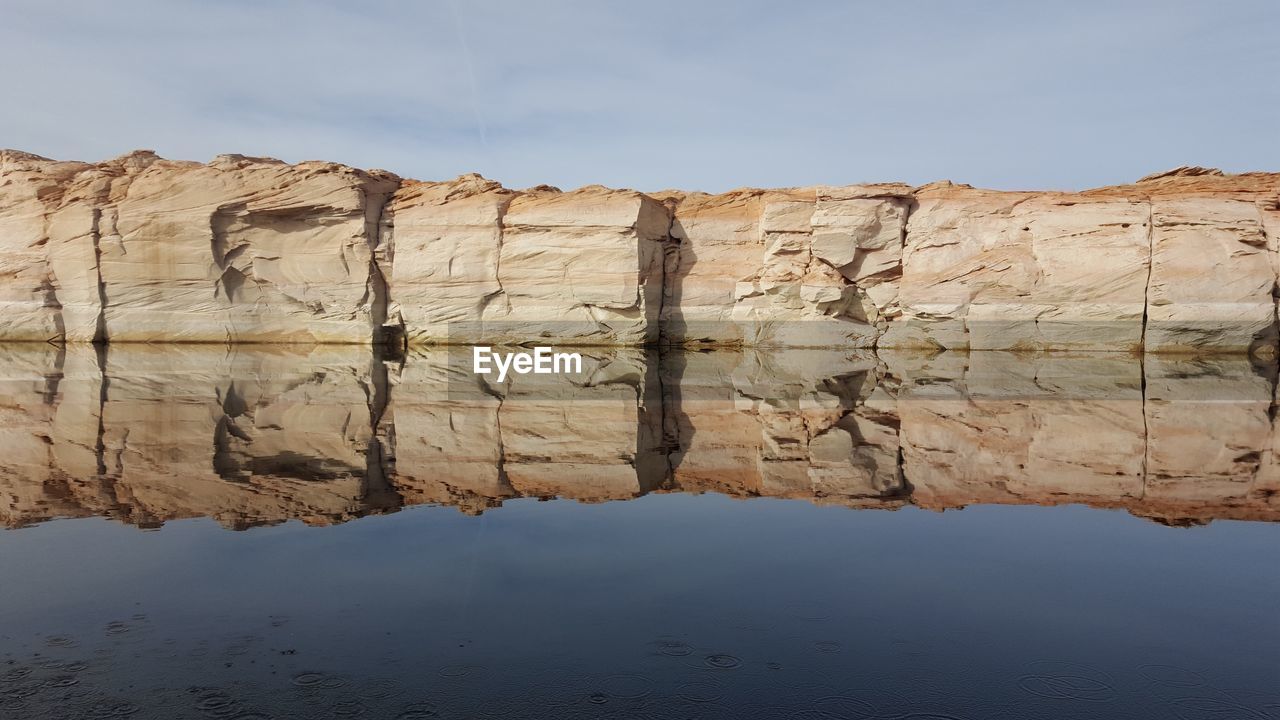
(711, 536)
(666, 607)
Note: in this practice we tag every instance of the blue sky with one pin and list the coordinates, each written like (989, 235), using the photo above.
(651, 95)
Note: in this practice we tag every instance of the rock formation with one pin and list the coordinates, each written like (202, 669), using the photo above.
(813, 267)
(144, 249)
(324, 434)
(252, 249)
(474, 262)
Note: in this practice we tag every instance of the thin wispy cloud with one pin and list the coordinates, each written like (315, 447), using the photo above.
(667, 94)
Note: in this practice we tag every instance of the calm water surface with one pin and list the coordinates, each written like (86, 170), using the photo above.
(203, 533)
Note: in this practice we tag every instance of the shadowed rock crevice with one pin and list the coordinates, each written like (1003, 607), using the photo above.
(379, 232)
(496, 302)
(1146, 292)
(100, 325)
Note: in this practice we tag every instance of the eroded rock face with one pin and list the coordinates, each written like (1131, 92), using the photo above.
(1212, 277)
(253, 249)
(476, 263)
(241, 249)
(991, 271)
(447, 244)
(810, 267)
(29, 186)
(954, 267)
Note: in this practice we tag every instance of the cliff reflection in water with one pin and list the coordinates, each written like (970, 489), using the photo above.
(256, 435)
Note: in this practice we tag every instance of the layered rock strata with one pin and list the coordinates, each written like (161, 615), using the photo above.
(324, 434)
(145, 249)
(813, 267)
(477, 263)
(256, 250)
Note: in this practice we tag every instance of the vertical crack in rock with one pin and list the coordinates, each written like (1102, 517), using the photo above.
(381, 241)
(668, 303)
(44, 196)
(50, 292)
(1146, 425)
(487, 299)
(1142, 346)
(230, 280)
(100, 325)
(451, 244)
(1146, 297)
(1269, 219)
(896, 274)
(667, 353)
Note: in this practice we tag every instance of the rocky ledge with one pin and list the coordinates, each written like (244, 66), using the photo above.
(256, 250)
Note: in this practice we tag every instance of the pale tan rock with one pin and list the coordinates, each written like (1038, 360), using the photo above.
(475, 263)
(30, 189)
(807, 267)
(1269, 212)
(580, 267)
(787, 216)
(992, 271)
(1211, 277)
(251, 249)
(444, 241)
(719, 245)
(241, 249)
(244, 249)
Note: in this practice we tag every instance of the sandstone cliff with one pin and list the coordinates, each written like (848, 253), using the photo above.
(256, 250)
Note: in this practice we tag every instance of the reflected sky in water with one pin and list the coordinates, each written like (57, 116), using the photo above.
(560, 609)
(739, 536)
